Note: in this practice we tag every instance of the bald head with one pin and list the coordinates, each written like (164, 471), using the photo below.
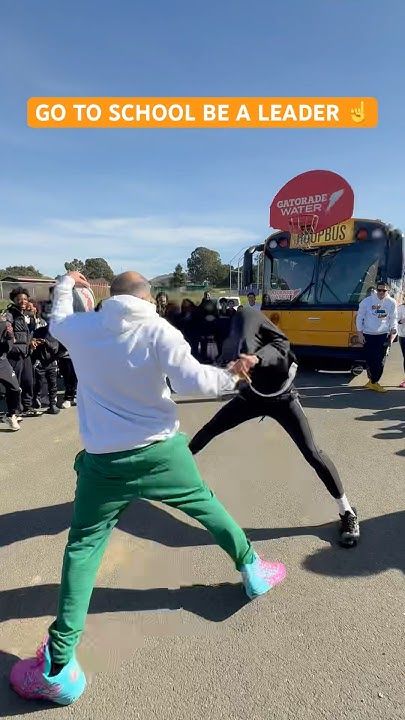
(131, 283)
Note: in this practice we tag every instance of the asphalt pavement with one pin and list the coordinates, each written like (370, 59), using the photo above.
(170, 634)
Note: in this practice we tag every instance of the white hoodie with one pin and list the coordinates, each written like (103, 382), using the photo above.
(377, 317)
(401, 317)
(122, 356)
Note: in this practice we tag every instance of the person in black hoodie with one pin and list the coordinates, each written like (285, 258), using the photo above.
(21, 316)
(262, 354)
(8, 377)
(45, 350)
(208, 327)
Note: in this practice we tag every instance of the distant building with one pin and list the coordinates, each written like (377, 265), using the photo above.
(28, 280)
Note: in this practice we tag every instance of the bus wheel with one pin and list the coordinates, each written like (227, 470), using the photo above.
(357, 370)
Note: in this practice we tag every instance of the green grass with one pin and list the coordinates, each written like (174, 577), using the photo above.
(3, 304)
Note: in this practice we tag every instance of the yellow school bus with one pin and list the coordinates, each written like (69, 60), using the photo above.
(311, 285)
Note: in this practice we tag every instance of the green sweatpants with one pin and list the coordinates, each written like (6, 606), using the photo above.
(106, 484)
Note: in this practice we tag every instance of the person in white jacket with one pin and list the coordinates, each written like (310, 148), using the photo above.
(377, 327)
(401, 333)
(132, 449)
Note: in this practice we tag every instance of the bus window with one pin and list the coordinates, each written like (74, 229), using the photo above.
(346, 273)
(288, 276)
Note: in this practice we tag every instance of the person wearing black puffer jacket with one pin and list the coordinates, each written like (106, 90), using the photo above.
(8, 377)
(263, 355)
(21, 316)
(44, 358)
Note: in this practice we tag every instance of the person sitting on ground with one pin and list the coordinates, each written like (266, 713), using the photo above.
(132, 449)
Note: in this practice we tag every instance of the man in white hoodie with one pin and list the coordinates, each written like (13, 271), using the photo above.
(133, 449)
(377, 327)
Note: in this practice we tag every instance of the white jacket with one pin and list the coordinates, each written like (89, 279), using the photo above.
(401, 316)
(377, 317)
(122, 356)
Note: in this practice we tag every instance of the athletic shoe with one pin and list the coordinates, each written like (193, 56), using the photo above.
(12, 422)
(53, 410)
(67, 404)
(378, 388)
(30, 412)
(260, 576)
(31, 679)
(402, 384)
(349, 529)
(36, 404)
(368, 385)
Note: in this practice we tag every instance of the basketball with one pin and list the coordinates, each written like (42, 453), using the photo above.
(83, 299)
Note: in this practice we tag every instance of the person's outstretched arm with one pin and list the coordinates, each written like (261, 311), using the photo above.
(187, 376)
(62, 316)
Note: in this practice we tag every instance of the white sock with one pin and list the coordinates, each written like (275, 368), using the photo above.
(344, 505)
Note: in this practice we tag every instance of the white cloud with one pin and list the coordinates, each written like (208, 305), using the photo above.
(151, 245)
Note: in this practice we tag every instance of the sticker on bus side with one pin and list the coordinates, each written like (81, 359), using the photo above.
(341, 234)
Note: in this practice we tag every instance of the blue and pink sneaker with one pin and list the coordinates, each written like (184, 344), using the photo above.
(31, 680)
(260, 576)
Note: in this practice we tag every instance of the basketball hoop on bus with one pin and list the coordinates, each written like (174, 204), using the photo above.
(304, 227)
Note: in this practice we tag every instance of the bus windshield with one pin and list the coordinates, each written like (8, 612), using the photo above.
(288, 276)
(339, 275)
(346, 273)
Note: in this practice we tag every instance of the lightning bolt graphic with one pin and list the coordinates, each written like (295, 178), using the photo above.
(334, 198)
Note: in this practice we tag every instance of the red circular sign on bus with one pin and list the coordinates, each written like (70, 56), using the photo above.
(311, 202)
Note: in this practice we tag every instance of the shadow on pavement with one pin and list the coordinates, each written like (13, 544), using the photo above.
(381, 548)
(393, 432)
(343, 397)
(215, 603)
(388, 406)
(10, 704)
(141, 519)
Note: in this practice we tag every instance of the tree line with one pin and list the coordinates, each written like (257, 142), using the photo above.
(203, 265)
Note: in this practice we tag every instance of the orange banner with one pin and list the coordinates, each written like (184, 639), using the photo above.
(202, 112)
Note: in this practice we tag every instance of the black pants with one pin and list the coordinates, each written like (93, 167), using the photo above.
(290, 415)
(69, 377)
(50, 373)
(23, 369)
(375, 348)
(8, 378)
(402, 344)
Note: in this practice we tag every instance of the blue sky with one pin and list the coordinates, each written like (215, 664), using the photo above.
(144, 199)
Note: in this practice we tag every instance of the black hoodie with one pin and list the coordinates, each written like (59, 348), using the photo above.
(48, 350)
(256, 335)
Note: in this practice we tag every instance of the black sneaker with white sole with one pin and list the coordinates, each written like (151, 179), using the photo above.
(349, 529)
